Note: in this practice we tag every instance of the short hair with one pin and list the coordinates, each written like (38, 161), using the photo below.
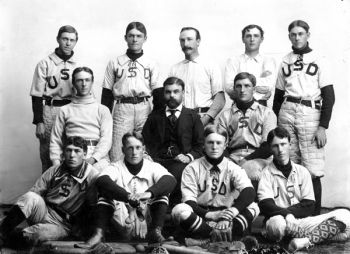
(174, 80)
(136, 25)
(249, 27)
(215, 128)
(133, 134)
(76, 141)
(67, 29)
(300, 23)
(80, 69)
(198, 35)
(245, 75)
(275, 228)
(279, 132)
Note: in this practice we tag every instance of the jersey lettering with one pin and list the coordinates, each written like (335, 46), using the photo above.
(64, 191)
(55, 83)
(117, 75)
(65, 74)
(312, 69)
(222, 190)
(290, 191)
(204, 187)
(243, 122)
(278, 193)
(298, 65)
(286, 74)
(214, 183)
(132, 72)
(258, 129)
(147, 73)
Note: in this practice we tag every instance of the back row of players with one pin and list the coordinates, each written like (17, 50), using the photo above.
(173, 135)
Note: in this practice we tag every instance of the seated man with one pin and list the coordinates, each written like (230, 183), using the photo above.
(209, 207)
(85, 117)
(247, 123)
(331, 227)
(174, 134)
(53, 203)
(139, 189)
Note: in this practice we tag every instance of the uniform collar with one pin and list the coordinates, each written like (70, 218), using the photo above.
(57, 60)
(258, 58)
(84, 100)
(124, 59)
(196, 60)
(208, 165)
(143, 174)
(234, 108)
(275, 171)
(81, 175)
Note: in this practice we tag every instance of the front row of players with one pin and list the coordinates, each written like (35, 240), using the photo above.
(134, 192)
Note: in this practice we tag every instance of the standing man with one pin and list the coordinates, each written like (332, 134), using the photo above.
(52, 86)
(210, 205)
(84, 117)
(303, 102)
(262, 67)
(204, 92)
(247, 123)
(52, 205)
(130, 80)
(174, 134)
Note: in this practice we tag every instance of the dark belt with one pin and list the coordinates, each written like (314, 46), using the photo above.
(91, 142)
(201, 110)
(307, 103)
(56, 103)
(132, 100)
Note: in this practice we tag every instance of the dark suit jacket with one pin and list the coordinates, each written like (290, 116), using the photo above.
(189, 131)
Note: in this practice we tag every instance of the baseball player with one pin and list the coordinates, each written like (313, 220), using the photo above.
(210, 206)
(174, 134)
(52, 86)
(139, 189)
(303, 102)
(261, 66)
(333, 226)
(285, 188)
(54, 202)
(129, 80)
(84, 117)
(204, 92)
(247, 123)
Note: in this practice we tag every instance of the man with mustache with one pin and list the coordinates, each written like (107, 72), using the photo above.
(174, 134)
(261, 66)
(204, 92)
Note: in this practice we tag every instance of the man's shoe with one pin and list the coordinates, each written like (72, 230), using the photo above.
(93, 241)
(155, 236)
(298, 244)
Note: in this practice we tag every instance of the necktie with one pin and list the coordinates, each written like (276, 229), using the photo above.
(172, 117)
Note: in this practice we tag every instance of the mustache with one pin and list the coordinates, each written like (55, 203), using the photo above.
(185, 48)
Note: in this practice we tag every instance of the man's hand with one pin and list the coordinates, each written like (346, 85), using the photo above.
(214, 216)
(222, 232)
(265, 74)
(141, 196)
(40, 131)
(205, 119)
(183, 158)
(320, 137)
(91, 160)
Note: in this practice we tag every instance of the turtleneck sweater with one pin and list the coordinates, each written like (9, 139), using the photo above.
(86, 118)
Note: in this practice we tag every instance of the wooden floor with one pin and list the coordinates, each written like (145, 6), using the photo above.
(332, 248)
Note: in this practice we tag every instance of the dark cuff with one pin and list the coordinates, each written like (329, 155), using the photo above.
(277, 101)
(110, 190)
(37, 106)
(164, 186)
(197, 209)
(328, 99)
(107, 98)
(245, 198)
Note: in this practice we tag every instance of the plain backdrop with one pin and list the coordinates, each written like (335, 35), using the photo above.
(28, 29)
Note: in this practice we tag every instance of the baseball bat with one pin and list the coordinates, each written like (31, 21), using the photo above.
(184, 249)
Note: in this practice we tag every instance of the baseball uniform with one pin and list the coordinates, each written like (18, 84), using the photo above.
(202, 81)
(131, 83)
(214, 190)
(56, 197)
(86, 118)
(254, 65)
(148, 176)
(301, 77)
(51, 83)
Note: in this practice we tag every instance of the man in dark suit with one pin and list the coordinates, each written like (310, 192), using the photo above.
(174, 134)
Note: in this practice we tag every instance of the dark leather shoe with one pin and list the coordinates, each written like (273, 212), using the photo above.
(155, 236)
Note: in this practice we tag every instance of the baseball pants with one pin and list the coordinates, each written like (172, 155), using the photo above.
(45, 223)
(127, 117)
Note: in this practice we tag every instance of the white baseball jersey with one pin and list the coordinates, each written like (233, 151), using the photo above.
(249, 129)
(202, 81)
(127, 78)
(213, 189)
(255, 65)
(285, 191)
(303, 76)
(52, 78)
(58, 187)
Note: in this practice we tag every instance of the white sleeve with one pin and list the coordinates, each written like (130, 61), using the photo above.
(270, 123)
(158, 171)
(265, 188)
(216, 80)
(239, 178)
(231, 69)
(306, 188)
(109, 78)
(280, 82)
(57, 134)
(39, 79)
(270, 80)
(189, 185)
(155, 77)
